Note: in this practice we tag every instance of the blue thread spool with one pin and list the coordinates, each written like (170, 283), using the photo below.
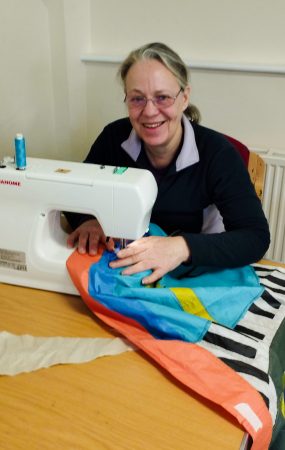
(20, 152)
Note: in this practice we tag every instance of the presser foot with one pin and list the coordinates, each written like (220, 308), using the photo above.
(120, 244)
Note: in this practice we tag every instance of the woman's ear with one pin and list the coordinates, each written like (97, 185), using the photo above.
(186, 97)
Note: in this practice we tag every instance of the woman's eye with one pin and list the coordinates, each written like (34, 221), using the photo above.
(160, 99)
(137, 100)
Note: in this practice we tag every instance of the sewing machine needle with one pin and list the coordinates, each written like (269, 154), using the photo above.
(123, 243)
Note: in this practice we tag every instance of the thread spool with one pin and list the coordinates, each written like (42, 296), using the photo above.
(20, 152)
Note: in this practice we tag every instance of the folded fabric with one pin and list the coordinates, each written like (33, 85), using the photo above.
(176, 307)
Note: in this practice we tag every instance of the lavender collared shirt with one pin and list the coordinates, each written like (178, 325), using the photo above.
(188, 155)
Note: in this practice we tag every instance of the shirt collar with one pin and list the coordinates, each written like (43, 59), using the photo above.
(188, 155)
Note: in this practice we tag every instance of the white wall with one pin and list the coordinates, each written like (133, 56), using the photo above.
(61, 103)
(42, 81)
(244, 30)
(25, 77)
(248, 106)
(69, 33)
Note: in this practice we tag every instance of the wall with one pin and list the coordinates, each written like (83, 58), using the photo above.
(69, 33)
(42, 81)
(61, 103)
(248, 106)
(25, 83)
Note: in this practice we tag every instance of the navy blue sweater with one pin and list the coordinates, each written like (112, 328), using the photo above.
(220, 178)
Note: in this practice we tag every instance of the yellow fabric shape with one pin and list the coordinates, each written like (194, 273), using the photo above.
(190, 302)
(283, 396)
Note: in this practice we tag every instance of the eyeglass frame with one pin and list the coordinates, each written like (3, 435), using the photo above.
(153, 100)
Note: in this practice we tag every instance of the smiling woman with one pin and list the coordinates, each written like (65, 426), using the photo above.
(154, 111)
(206, 203)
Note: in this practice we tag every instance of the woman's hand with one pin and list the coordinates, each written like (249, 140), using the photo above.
(88, 236)
(160, 254)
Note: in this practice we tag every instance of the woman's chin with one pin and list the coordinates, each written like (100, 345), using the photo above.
(153, 139)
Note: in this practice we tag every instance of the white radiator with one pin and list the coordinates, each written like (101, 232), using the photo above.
(273, 202)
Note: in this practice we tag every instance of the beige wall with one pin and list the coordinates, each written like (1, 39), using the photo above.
(61, 103)
(25, 77)
(42, 81)
(248, 106)
(244, 30)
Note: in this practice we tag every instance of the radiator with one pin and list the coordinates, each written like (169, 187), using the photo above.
(273, 202)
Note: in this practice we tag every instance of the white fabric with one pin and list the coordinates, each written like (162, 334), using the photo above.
(28, 353)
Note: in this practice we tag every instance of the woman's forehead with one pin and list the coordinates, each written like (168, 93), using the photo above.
(150, 73)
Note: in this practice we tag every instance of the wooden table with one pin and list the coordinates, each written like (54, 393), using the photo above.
(122, 402)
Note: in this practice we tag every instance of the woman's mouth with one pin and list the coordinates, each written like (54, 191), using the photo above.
(153, 125)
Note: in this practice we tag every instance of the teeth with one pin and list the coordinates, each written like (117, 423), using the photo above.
(152, 125)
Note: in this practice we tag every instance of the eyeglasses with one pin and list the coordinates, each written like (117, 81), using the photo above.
(160, 101)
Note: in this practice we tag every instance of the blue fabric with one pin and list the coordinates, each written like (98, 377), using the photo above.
(226, 295)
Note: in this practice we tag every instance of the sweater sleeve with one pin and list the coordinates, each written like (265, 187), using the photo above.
(246, 237)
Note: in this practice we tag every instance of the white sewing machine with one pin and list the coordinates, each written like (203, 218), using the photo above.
(33, 248)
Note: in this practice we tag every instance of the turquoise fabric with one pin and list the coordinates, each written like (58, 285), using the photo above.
(226, 295)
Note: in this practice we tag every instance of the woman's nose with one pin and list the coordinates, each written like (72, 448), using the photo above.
(150, 107)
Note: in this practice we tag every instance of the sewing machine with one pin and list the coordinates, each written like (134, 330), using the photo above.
(33, 250)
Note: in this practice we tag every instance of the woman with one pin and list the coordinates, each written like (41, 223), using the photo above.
(205, 201)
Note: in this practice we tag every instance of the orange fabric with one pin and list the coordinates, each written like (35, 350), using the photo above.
(189, 363)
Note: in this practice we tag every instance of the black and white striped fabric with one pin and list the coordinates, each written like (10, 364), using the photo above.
(248, 348)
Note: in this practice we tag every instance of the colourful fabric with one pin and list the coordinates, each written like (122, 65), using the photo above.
(176, 308)
(246, 376)
(226, 325)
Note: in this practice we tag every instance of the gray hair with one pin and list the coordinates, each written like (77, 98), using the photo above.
(171, 60)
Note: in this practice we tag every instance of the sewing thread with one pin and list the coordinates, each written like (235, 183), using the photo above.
(20, 152)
